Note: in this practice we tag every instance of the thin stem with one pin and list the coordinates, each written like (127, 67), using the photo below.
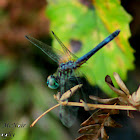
(44, 114)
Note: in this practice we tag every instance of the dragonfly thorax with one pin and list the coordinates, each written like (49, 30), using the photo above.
(68, 66)
(53, 81)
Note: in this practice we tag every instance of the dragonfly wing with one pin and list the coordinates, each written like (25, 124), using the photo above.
(65, 49)
(68, 115)
(77, 77)
(45, 48)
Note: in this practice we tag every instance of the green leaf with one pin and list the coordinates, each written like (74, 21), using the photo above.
(73, 20)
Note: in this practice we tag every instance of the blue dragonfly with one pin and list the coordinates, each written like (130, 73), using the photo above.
(66, 70)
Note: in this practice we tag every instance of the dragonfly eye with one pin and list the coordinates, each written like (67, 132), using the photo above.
(52, 82)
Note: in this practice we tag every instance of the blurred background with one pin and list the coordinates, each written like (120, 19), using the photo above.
(81, 25)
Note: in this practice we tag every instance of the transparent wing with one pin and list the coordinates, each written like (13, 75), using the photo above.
(46, 49)
(65, 49)
(68, 114)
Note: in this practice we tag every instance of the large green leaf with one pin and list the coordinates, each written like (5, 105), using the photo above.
(71, 19)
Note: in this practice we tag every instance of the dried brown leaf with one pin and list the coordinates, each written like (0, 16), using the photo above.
(109, 122)
(90, 129)
(93, 120)
(104, 135)
(105, 101)
(123, 100)
(109, 82)
(87, 137)
(121, 83)
(70, 92)
(135, 99)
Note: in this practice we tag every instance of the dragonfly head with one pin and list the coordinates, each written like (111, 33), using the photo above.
(52, 82)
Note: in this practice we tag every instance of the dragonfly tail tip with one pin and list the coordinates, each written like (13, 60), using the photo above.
(118, 31)
(52, 32)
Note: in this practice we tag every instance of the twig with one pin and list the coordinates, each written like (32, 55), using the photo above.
(120, 107)
(43, 114)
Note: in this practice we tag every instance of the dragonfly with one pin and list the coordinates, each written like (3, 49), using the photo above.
(66, 70)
